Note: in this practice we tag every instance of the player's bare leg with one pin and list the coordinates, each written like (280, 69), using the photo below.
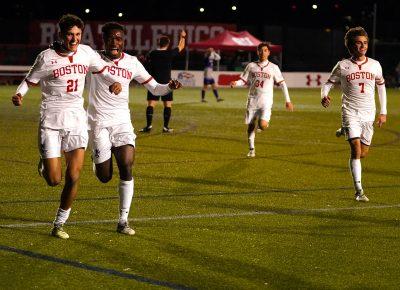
(74, 161)
(358, 151)
(51, 170)
(167, 116)
(125, 156)
(262, 125)
(104, 171)
(251, 134)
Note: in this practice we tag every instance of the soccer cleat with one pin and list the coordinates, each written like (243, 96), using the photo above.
(360, 196)
(167, 130)
(203, 101)
(59, 232)
(339, 132)
(252, 153)
(40, 167)
(146, 129)
(219, 100)
(125, 229)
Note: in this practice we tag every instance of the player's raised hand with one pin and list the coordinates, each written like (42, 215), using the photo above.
(115, 88)
(183, 34)
(289, 106)
(17, 100)
(174, 84)
(326, 101)
(233, 84)
(381, 120)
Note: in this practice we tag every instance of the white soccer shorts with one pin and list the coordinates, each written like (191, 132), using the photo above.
(252, 114)
(357, 127)
(54, 141)
(103, 139)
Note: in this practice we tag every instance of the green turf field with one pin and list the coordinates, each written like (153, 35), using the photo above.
(205, 215)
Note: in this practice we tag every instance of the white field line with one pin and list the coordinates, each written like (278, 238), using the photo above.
(211, 215)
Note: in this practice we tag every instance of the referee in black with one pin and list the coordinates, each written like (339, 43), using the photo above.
(159, 65)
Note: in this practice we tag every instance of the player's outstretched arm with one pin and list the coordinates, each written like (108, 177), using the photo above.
(20, 93)
(17, 99)
(174, 84)
(326, 101)
(182, 40)
(289, 106)
(382, 101)
(381, 120)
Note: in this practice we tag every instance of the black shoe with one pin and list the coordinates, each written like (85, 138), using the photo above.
(146, 129)
(219, 100)
(167, 130)
(203, 101)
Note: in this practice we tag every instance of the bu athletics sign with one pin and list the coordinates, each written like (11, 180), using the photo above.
(139, 36)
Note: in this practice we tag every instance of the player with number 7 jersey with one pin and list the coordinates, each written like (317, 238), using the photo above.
(357, 77)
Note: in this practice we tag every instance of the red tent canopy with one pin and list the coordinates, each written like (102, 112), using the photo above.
(231, 40)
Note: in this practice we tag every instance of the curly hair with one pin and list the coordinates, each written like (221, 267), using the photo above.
(107, 27)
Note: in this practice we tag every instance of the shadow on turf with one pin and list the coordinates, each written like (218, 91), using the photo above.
(231, 268)
(332, 214)
(80, 265)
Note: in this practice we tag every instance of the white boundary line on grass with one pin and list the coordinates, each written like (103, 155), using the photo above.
(211, 215)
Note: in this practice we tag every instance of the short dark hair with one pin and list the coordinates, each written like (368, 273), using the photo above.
(68, 21)
(107, 27)
(351, 34)
(163, 41)
(262, 44)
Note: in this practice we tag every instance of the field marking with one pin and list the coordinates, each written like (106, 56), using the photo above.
(211, 215)
(80, 265)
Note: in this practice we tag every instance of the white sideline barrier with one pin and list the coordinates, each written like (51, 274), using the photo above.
(223, 78)
(194, 78)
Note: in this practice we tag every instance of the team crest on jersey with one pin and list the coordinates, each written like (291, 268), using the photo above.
(97, 153)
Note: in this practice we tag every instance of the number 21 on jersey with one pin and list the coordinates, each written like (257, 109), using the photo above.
(72, 86)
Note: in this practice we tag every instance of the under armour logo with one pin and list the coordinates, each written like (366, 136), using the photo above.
(53, 61)
(317, 79)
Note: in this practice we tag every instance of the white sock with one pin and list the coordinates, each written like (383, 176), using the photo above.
(252, 136)
(61, 217)
(125, 190)
(355, 169)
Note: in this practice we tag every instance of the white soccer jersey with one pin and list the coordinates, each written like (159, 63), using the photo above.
(107, 109)
(260, 77)
(62, 80)
(357, 81)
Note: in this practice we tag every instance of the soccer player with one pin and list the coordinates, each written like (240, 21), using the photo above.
(159, 63)
(358, 77)
(61, 72)
(260, 76)
(111, 130)
(209, 58)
